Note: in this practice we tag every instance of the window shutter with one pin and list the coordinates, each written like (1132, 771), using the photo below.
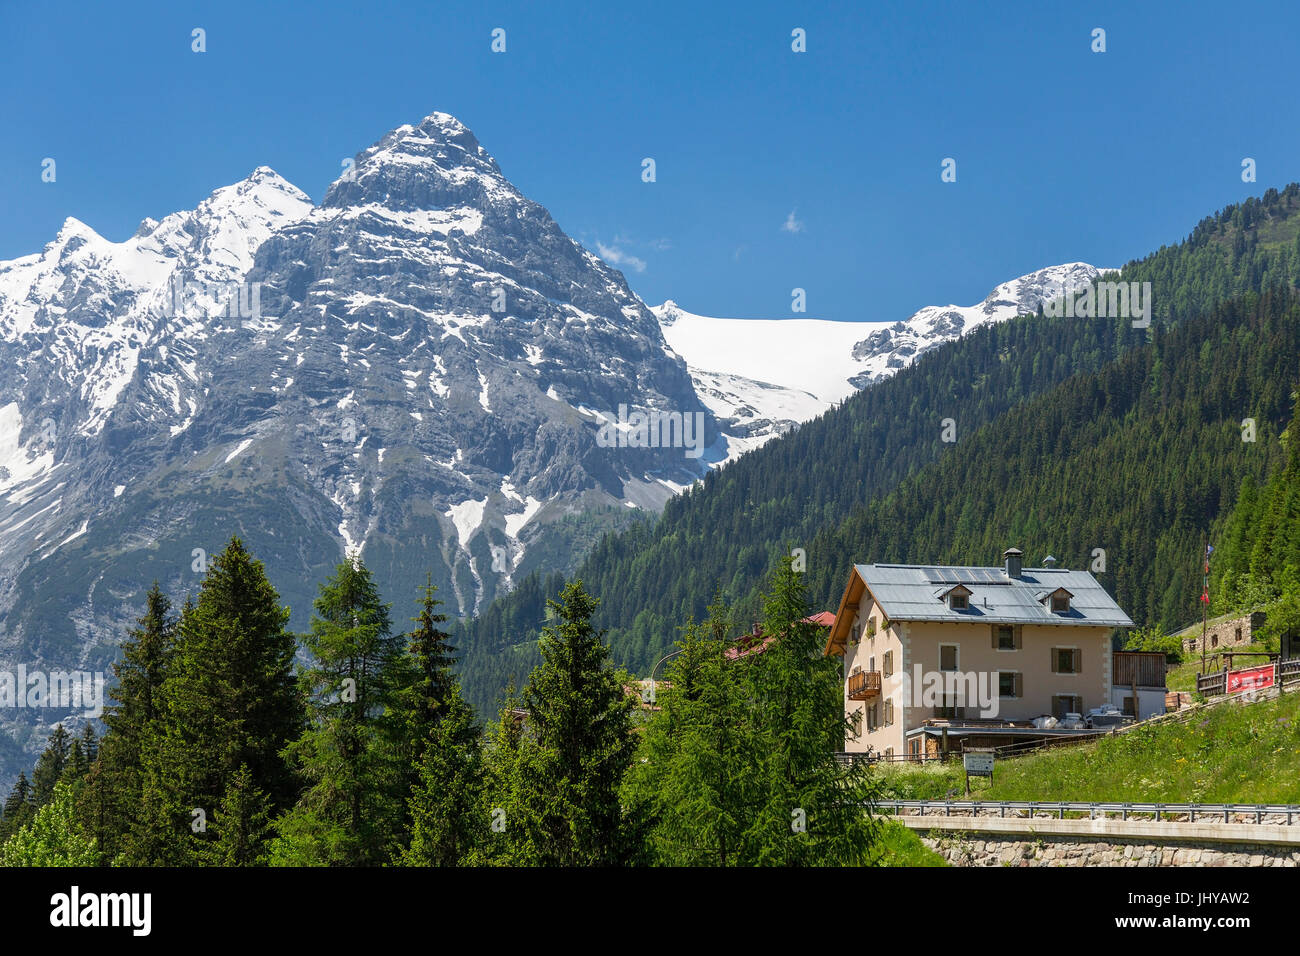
(994, 629)
(1055, 661)
(1019, 691)
(1019, 632)
(1078, 660)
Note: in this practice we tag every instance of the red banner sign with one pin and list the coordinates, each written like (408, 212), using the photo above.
(1252, 678)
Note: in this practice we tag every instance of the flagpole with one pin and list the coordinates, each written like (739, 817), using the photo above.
(1205, 599)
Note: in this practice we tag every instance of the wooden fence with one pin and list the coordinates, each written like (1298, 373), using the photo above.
(1216, 684)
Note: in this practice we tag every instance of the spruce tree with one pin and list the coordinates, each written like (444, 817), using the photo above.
(77, 766)
(352, 810)
(18, 808)
(89, 743)
(439, 763)
(446, 804)
(578, 746)
(696, 779)
(813, 811)
(50, 765)
(431, 682)
(241, 825)
(228, 701)
(500, 809)
(112, 802)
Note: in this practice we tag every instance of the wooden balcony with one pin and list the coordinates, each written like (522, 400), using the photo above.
(864, 685)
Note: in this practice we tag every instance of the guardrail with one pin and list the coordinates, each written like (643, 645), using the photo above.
(1169, 812)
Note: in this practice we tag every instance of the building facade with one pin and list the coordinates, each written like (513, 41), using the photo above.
(933, 653)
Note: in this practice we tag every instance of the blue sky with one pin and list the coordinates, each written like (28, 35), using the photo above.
(1062, 154)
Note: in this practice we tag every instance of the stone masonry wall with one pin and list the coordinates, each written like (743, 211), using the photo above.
(983, 849)
(1224, 635)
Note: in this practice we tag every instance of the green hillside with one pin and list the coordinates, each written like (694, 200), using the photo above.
(860, 466)
(1235, 753)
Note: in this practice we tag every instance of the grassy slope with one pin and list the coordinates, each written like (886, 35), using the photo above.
(1234, 754)
(1183, 676)
(903, 847)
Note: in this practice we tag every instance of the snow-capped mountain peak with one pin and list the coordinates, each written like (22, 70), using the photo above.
(419, 367)
(436, 164)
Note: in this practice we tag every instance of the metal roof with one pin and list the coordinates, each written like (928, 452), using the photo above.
(907, 592)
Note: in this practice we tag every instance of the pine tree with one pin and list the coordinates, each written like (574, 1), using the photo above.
(446, 804)
(228, 701)
(578, 747)
(813, 811)
(50, 765)
(77, 766)
(430, 658)
(695, 779)
(18, 808)
(241, 825)
(352, 810)
(501, 801)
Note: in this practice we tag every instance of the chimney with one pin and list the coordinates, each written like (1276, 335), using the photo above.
(1013, 558)
(1049, 562)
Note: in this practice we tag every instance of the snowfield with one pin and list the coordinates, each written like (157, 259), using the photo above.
(812, 356)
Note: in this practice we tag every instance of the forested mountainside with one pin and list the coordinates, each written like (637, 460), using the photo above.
(1122, 471)
(1257, 554)
(837, 470)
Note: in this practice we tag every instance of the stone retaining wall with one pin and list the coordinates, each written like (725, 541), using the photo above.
(985, 849)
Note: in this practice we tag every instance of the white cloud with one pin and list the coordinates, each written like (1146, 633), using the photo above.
(617, 257)
(791, 223)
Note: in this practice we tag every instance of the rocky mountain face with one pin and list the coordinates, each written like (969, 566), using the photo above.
(423, 367)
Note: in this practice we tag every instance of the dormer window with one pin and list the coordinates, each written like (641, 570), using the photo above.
(1059, 601)
(958, 597)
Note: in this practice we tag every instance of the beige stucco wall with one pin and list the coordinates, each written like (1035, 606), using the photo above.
(917, 643)
(1033, 661)
(859, 656)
